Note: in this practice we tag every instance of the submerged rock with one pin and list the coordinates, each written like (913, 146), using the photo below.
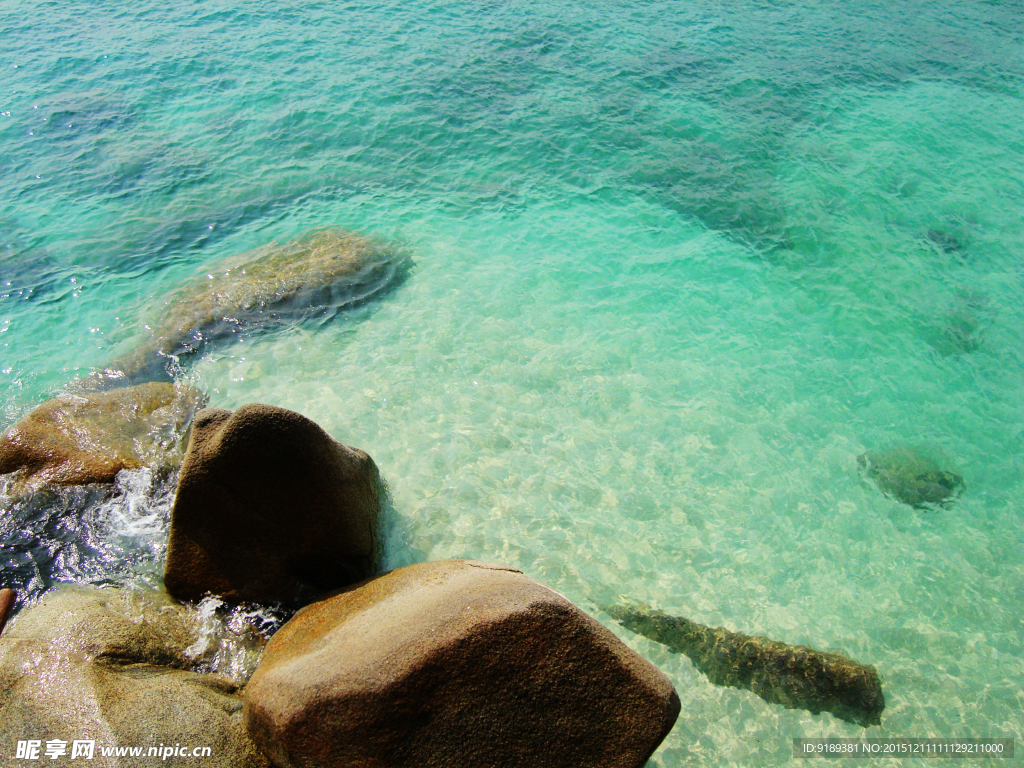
(117, 668)
(912, 476)
(270, 508)
(959, 329)
(317, 274)
(454, 663)
(945, 241)
(956, 334)
(794, 676)
(78, 439)
(29, 272)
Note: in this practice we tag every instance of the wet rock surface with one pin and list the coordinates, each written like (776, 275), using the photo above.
(315, 275)
(454, 663)
(7, 599)
(270, 508)
(795, 676)
(913, 476)
(78, 439)
(116, 667)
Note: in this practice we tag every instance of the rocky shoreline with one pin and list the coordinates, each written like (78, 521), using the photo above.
(437, 664)
(445, 663)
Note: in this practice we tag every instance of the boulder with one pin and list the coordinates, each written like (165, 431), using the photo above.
(314, 275)
(7, 600)
(270, 508)
(454, 663)
(911, 475)
(114, 667)
(77, 439)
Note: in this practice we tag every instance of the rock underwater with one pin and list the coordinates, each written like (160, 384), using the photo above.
(78, 439)
(911, 475)
(945, 241)
(960, 328)
(796, 677)
(314, 275)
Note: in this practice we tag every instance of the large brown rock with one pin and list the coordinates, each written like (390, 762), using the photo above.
(270, 508)
(454, 663)
(318, 273)
(7, 599)
(114, 667)
(77, 439)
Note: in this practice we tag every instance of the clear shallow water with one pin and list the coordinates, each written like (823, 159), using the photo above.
(676, 268)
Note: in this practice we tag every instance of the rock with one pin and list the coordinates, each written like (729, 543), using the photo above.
(454, 663)
(794, 676)
(912, 476)
(957, 333)
(77, 439)
(7, 598)
(270, 508)
(317, 274)
(114, 667)
(945, 241)
(959, 330)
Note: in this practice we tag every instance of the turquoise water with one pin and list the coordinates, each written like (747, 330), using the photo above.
(677, 267)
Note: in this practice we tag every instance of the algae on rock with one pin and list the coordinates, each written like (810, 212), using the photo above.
(797, 677)
(314, 275)
(78, 439)
(116, 667)
(911, 475)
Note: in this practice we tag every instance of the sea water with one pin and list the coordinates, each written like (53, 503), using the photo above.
(676, 267)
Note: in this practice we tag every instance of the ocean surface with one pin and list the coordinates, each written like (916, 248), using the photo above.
(677, 266)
